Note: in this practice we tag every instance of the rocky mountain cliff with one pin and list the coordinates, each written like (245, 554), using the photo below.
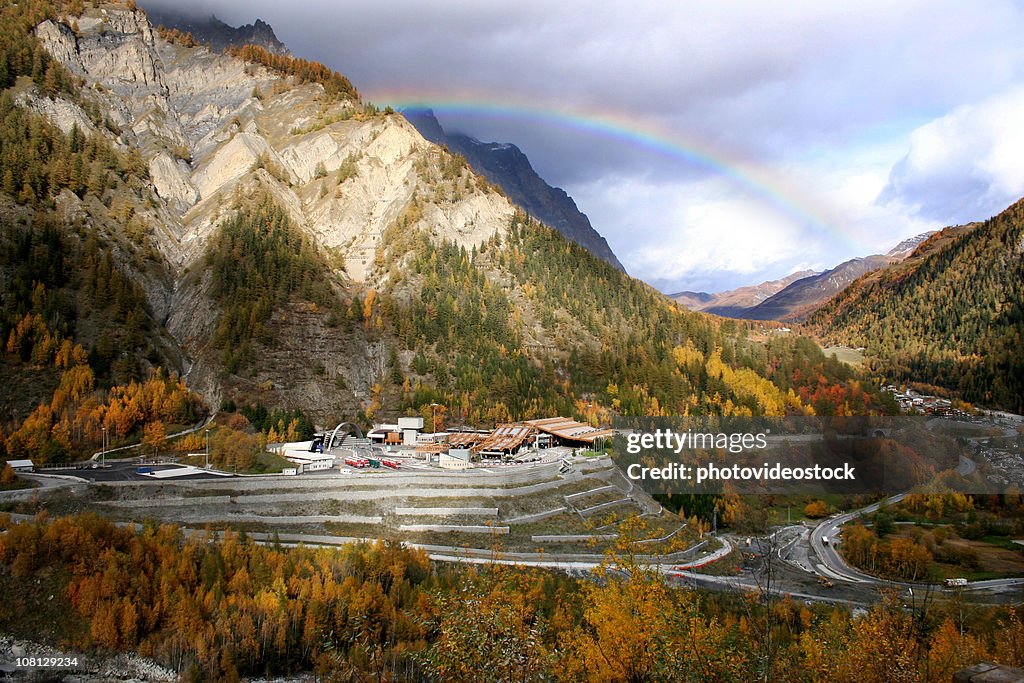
(503, 164)
(506, 166)
(212, 129)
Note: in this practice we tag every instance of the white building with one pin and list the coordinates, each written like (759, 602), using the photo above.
(449, 461)
(405, 432)
(306, 461)
(411, 427)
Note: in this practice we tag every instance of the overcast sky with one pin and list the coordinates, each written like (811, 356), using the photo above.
(727, 142)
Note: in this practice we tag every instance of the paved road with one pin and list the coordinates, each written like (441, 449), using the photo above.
(53, 481)
(45, 481)
(103, 454)
(124, 473)
(832, 564)
(829, 560)
(966, 466)
(448, 553)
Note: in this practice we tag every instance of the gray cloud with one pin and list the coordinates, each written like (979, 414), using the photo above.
(795, 89)
(756, 76)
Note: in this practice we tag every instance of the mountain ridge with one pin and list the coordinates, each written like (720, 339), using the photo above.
(741, 297)
(799, 294)
(505, 165)
(950, 315)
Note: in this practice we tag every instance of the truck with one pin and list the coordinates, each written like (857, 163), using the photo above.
(956, 583)
(824, 540)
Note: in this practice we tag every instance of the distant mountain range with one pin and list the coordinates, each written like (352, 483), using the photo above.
(795, 296)
(740, 298)
(506, 166)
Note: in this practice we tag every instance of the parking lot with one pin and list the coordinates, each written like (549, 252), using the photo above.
(126, 471)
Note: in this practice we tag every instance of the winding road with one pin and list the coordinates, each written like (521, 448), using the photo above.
(831, 563)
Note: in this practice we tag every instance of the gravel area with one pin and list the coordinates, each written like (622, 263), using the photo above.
(90, 669)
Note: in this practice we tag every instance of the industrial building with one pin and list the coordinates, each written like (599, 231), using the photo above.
(509, 440)
(456, 449)
(567, 432)
(403, 433)
(305, 455)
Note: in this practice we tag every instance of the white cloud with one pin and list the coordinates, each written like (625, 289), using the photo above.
(846, 185)
(678, 234)
(966, 165)
(713, 235)
(718, 236)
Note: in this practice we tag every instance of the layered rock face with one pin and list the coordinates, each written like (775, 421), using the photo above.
(212, 128)
(207, 124)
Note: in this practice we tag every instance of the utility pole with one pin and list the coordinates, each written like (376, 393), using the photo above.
(433, 410)
(103, 447)
(207, 449)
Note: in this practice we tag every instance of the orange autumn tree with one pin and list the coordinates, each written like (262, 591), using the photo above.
(71, 423)
(154, 436)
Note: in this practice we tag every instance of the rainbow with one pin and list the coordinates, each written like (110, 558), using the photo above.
(640, 134)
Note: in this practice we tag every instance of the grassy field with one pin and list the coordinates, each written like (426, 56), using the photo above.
(591, 500)
(789, 509)
(845, 354)
(996, 557)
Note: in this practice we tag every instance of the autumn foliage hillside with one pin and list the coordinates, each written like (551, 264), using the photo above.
(952, 315)
(222, 608)
(531, 324)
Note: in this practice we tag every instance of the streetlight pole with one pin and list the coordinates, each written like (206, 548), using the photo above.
(103, 447)
(207, 449)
